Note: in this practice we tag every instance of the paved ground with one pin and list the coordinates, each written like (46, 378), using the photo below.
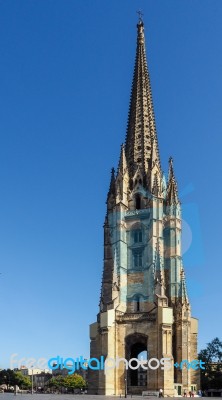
(10, 396)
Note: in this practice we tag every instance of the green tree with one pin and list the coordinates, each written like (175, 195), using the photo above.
(7, 376)
(12, 378)
(74, 381)
(56, 382)
(211, 377)
(22, 381)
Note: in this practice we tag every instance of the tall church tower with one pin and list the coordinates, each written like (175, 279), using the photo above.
(144, 306)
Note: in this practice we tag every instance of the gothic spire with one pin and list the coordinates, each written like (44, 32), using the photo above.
(122, 167)
(112, 190)
(141, 130)
(172, 193)
(184, 295)
(112, 186)
(155, 189)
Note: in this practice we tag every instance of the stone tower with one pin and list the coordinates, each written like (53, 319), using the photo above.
(144, 306)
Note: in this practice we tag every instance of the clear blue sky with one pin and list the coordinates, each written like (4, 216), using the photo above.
(65, 77)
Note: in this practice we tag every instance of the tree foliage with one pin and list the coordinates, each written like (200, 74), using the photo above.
(22, 381)
(12, 378)
(55, 382)
(74, 381)
(211, 377)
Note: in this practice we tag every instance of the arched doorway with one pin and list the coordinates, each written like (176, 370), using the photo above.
(142, 373)
(136, 347)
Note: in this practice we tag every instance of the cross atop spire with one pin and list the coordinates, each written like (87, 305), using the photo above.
(140, 15)
(141, 135)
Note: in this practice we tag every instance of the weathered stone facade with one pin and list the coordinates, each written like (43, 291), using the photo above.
(144, 304)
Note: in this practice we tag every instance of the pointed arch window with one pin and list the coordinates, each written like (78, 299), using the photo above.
(137, 258)
(138, 202)
(137, 236)
(138, 304)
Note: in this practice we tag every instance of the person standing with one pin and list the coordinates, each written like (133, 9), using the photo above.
(161, 393)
